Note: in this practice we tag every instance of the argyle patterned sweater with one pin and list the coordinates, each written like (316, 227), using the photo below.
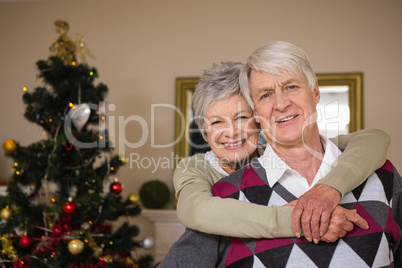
(378, 201)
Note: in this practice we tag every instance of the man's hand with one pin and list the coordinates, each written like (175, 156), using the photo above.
(342, 222)
(313, 211)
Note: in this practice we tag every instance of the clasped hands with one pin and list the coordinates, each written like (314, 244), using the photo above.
(318, 213)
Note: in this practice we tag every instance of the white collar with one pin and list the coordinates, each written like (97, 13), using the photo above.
(212, 159)
(275, 167)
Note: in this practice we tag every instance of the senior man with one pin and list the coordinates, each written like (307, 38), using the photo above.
(280, 85)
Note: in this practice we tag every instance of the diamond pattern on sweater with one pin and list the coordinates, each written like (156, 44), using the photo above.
(357, 192)
(372, 193)
(296, 257)
(258, 194)
(362, 248)
(238, 251)
(276, 200)
(387, 166)
(387, 184)
(253, 179)
(378, 211)
(367, 250)
(225, 189)
(278, 257)
(344, 257)
(379, 261)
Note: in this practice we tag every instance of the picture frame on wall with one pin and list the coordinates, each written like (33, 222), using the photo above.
(340, 110)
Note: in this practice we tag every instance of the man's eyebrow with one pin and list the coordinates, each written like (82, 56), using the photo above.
(281, 84)
(264, 88)
(288, 81)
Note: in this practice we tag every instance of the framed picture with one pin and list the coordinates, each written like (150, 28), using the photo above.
(340, 110)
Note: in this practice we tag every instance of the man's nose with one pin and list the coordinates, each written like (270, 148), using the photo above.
(281, 101)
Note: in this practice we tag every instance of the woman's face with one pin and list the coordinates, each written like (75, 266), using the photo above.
(231, 130)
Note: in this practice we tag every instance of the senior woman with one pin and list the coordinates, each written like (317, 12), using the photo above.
(227, 124)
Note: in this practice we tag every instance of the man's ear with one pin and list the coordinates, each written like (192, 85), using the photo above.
(316, 92)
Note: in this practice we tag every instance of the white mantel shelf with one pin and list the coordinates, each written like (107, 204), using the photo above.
(161, 215)
(168, 229)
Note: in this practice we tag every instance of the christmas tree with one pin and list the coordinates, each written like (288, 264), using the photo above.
(56, 212)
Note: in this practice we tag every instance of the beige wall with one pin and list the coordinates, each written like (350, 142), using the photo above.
(142, 46)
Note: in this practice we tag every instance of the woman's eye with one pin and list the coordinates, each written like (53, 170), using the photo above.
(215, 122)
(292, 87)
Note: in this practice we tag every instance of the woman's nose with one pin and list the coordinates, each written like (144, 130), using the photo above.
(232, 129)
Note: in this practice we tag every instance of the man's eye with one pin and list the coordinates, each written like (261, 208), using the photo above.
(266, 95)
(292, 87)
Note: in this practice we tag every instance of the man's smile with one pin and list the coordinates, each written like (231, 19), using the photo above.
(286, 119)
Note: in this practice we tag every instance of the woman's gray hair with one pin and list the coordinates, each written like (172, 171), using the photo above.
(275, 59)
(216, 84)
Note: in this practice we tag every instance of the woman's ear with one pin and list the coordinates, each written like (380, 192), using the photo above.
(256, 117)
(204, 135)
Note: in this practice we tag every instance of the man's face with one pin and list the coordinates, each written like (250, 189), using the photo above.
(284, 106)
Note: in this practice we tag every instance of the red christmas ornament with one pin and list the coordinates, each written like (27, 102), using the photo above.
(69, 207)
(116, 187)
(25, 242)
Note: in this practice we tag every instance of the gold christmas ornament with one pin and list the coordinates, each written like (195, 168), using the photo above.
(134, 198)
(92, 244)
(108, 259)
(51, 225)
(50, 220)
(131, 263)
(6, 214)
(9, 146)
(8, 248)
(65, 47)
(91, 191)
(123, 159)
(75, 246)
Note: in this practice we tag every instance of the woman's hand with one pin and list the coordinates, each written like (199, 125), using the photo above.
(341, 222)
